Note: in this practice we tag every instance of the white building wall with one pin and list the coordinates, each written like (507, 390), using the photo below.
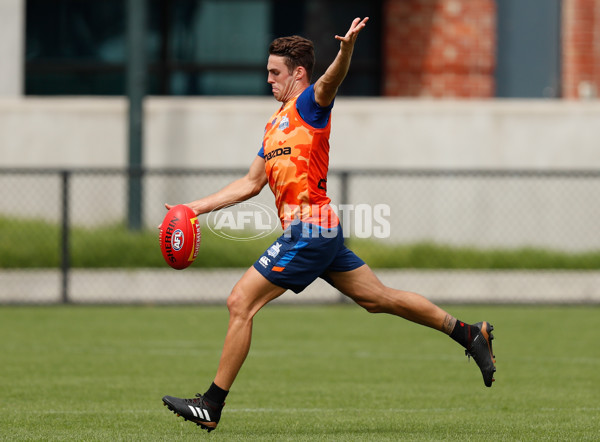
(370, 132)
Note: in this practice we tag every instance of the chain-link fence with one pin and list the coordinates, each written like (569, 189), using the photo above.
(90, 235)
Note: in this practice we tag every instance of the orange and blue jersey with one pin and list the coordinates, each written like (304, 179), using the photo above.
(296, 153)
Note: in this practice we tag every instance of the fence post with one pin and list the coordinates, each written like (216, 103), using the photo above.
(344, 178)
(344, 200)
(65, 249)
(136, 89)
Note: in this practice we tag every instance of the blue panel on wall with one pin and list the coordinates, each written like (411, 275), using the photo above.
(528, 58)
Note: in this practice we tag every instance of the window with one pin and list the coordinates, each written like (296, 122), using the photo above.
(194, 47)
(528, 60)
(75, 47)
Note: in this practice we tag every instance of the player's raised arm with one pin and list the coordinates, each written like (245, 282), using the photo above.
(239, 190)
(327, 85)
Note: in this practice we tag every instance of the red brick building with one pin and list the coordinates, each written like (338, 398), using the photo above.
(448, 48)
(581, 48)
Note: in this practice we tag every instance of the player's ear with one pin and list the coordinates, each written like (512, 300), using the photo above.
(299, 72)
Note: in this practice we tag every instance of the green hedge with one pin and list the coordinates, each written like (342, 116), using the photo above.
(34, 243)
(426, 255)
(31, 243)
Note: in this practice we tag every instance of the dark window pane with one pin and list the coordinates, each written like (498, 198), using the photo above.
(321, 21)
(216, 36)
(224, 31)
(194, 47)
(69, 30)
(75, 47)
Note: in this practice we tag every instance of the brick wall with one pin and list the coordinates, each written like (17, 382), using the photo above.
(581, 48)
(439, 48)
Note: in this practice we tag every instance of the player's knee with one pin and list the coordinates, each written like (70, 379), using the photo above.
(372, 306)
(375, 302)
(236, 303)
(372, 298)
(371, 303)
(368, 306)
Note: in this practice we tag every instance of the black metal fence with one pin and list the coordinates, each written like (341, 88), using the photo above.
(453, 235)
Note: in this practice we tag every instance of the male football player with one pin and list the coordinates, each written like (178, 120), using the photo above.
(294, 160)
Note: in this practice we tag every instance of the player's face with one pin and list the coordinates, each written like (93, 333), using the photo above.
(283, 83)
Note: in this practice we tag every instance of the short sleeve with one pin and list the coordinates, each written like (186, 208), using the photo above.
(310, 111)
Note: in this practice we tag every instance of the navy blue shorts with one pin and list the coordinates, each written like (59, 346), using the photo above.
(304, 253)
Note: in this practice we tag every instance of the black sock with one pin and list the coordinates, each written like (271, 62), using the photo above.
(463, 333)
(216, 394)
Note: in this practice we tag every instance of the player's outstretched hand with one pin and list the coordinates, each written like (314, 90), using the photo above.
(347, 41)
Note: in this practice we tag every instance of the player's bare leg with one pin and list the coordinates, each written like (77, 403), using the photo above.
(363, 286)
(248, 296)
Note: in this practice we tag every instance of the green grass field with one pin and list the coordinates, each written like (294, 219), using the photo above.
(333, 373)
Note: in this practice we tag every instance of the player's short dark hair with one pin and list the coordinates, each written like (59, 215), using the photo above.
(298, 51)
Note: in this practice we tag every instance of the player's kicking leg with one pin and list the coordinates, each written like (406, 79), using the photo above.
(363, 286)
(248, 296)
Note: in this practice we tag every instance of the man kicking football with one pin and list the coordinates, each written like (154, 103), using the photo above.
(294, 160)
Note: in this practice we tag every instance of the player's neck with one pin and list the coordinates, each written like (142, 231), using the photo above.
(293, 94)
